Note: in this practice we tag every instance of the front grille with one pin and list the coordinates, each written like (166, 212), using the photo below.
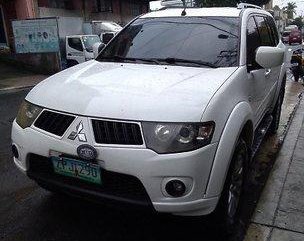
(123, 133)
(53, 122)
(114, 185)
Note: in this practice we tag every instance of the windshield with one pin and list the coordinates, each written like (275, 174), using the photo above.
(89, 41)
(181, 40)
(286, 34)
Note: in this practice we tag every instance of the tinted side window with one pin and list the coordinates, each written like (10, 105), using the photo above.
(75, 43)
(274, 30)
(264, 32)
(253, 42)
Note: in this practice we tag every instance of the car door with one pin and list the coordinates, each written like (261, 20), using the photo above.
(74, 49)
(268, 38)
(255, 73)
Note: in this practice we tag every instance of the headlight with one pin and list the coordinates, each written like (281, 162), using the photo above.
(27, 114)
(177, 137)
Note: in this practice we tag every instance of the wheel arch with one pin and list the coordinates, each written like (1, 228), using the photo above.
(248, 134)
(238, 124)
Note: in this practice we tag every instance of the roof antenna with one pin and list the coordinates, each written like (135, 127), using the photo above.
(184, 11)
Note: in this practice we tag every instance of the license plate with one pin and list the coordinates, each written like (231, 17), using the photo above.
(77, 169)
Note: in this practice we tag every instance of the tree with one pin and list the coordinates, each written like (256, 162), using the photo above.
(299, 22)
(229, 3)
(290, 9)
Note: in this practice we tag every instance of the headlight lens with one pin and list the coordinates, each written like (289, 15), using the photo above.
(177, 137)
(27, 114)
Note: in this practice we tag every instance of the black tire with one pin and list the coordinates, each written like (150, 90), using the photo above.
(276, 114)
(228, 209)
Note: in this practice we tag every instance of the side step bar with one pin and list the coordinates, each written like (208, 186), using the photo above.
(260, 134)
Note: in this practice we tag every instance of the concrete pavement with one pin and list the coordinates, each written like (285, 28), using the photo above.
(279, 215)
(14, 77)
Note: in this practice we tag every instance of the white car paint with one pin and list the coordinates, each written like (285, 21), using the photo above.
(144, 92)
(113, 90)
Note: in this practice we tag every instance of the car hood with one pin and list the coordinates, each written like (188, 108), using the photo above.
(131, 91)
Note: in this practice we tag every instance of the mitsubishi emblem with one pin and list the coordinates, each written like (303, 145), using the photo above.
(78, 133)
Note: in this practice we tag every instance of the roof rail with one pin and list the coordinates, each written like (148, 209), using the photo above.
(247, 5)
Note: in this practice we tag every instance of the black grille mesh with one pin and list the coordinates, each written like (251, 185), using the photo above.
(113, 184)
(53, 122)
(122, 133)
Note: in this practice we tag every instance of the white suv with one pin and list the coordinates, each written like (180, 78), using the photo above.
(168, 116)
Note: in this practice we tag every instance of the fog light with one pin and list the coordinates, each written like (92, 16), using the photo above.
(175, 188)
(15, 151)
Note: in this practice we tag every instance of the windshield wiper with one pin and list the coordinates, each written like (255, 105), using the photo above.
(123, 59)
(188, 61)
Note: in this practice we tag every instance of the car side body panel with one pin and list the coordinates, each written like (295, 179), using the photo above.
(233, 91)
(234, 94)
(233, 128)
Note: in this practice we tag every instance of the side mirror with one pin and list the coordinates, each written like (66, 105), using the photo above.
(97, 47)
(269, 57)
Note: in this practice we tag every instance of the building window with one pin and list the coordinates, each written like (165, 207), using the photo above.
(103, 6)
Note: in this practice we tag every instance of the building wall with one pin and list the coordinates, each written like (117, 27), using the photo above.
(9, 13)
(52, 12)
(25, 9)
(17, 9)
(121, 10)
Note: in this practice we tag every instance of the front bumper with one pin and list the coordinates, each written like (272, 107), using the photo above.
(151, 169)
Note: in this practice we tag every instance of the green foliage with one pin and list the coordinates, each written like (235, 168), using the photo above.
(290, 9)
(229, 3)
(299, 22)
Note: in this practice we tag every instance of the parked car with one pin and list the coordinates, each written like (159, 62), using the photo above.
(167, 117)
(291, 27)
(295, 37)
(285, 37)
(105, 29)
(79, 48)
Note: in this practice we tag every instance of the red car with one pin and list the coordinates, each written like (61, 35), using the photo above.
(295, 37)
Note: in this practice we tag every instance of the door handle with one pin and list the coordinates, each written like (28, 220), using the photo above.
(267, 73)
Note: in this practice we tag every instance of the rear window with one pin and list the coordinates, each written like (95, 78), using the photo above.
(295, 34)
(286, 34)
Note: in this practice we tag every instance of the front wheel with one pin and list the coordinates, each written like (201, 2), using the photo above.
(228, 209)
